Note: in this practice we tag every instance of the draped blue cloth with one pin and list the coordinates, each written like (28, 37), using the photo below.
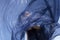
(17, 16)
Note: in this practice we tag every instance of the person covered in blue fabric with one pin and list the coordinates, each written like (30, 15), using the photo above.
(20, 16)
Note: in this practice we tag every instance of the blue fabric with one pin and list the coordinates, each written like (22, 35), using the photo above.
(14, 21)
(9, 11)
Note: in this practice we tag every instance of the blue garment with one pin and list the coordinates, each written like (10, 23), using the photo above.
(14, 21)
